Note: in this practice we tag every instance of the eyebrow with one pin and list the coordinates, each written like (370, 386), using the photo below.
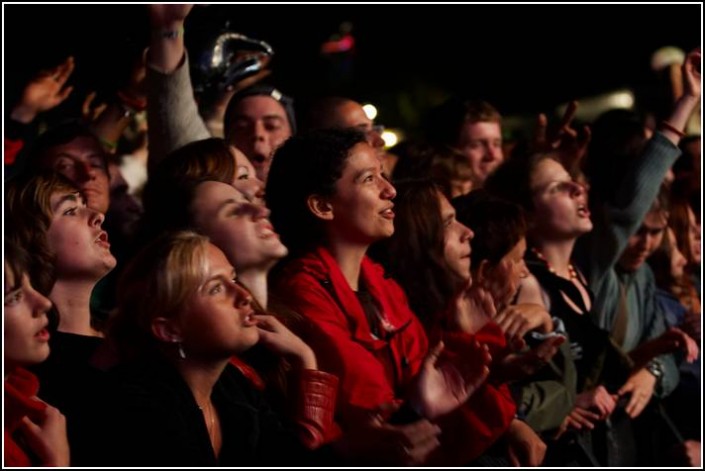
(72, 197)
(363, 171)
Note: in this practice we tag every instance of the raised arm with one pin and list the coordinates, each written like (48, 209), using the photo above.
(172, 112)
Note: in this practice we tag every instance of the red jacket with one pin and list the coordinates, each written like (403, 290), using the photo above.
(20, 388)
(371, 371)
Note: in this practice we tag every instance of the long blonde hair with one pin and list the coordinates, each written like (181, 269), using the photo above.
(157, 283)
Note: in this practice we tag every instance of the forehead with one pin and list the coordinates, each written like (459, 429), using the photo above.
(361, 156)
(240, 158)
(480, 130)
(58, 195)
(258, 107)
(446, 207)
(79, 147)
(216, 259)
(655, 220)
(548, 170)
(349, 114)
(211, 193)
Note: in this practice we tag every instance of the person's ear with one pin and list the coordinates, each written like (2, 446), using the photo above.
(320, 207)
(166, 330)
(482, 275)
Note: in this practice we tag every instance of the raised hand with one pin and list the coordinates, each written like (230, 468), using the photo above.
(641, 387)
(45, 91)
(47, 437)
(275, 336)
(446, 382)
(165, 15)
(89, 111)
(692, 73)
(569, 144)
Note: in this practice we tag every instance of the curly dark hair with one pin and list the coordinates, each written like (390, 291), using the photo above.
(307, 164)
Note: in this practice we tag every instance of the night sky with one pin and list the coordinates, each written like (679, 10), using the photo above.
(522, 58)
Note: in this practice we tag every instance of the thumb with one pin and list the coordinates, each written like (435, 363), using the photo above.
(435, 352)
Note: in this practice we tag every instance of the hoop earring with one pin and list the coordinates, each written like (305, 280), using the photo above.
(182, 353)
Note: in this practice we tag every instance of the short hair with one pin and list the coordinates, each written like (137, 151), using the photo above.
(171, 187)
(259, 90)
(156, 283)
(16, 263)
(28, 216)
(446, 121)
(57, 136)
(498, 225)
(318, 115)
(308, 164)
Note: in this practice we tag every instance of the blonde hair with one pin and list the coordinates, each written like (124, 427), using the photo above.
(157, 283)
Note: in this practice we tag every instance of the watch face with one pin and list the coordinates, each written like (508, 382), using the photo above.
(655, 369)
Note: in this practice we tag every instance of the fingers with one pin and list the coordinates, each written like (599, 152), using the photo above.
(541, 128)
(62, 73)
(268, 322)
(584, 418)
(433, 355)
(568, 116)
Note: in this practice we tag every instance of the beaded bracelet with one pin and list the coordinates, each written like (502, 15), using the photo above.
(668, 126)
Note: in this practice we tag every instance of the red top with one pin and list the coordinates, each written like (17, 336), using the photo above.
(20, 388)
(375, 371)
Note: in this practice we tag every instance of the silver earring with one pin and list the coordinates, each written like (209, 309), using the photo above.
(182, 353)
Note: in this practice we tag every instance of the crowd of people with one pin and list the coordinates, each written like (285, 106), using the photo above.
(229, 288)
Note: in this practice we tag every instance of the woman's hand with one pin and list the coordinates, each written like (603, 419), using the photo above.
(47, 438)
(275, 336)
(641, 387)
(45, 91)
(445, 383)
(524, 446)
(597, 399)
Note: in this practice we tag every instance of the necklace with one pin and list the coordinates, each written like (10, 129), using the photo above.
(572, 274)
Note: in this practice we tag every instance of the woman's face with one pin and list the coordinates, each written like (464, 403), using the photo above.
(678, 260)
(560, 204)
(76, 238)
(456, 242)
(503, 279)
(361, 208)
(245, 180)
(237, 226)
(218, 319)
(694, 236)
(26, 338)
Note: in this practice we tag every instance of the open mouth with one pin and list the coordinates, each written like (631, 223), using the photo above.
(102, 240)
(388, 213)
(583, 211)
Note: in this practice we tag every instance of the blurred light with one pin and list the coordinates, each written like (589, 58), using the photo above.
(589, 108)
(390, 138)
(666, 56)
(622, 100)
(370, 111)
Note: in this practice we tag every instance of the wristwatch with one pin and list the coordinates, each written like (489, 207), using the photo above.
(654, 367)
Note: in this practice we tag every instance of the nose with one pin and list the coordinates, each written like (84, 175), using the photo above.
(84, 172)
(374, 138)
(260, 211)
(95, 218)
(243, 298)
(577, 189)
(41, 303)
(495, 152)
(388, 190)
(258, 131)
(468, 234)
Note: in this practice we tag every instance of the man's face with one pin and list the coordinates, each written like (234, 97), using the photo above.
(481, 143)
(645, 241)
(259, 127)
(82, 161)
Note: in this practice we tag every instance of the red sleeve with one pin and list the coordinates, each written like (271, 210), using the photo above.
(363, 380)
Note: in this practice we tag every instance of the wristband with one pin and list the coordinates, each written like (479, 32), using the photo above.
(168, 33)
(670, 127)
